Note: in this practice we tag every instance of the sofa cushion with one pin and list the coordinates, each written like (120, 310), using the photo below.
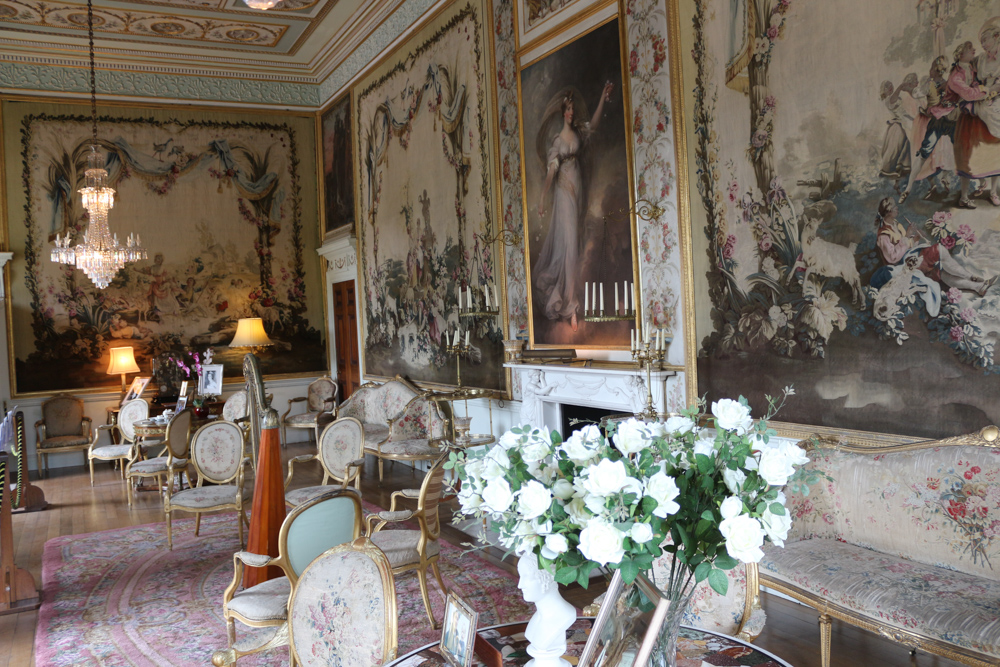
(375, 433)
(951, 606)
(936, 505)
(406, 448)
(309, 419)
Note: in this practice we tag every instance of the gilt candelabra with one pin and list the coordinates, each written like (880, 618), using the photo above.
(648, 350)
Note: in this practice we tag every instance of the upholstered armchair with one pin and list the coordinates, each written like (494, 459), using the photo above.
(173, 462)
(352, 589)
(321, 404)
(375, 404)
(310, 529)
(414, 549)
(62, 428)
(414, 435)
(341, 453)
(124, 428)
(235, 407)
(217, 456)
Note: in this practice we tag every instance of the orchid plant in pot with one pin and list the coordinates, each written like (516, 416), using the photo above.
(702, 487)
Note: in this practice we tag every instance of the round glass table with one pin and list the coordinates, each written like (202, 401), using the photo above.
(695, 648)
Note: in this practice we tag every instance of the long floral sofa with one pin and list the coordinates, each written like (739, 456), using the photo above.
(902, 540)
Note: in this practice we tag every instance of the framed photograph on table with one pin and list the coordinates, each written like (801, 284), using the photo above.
(628, 624)
(184, 389)
(135, 391)
(182, 402)
(458, 635)
(210, 380)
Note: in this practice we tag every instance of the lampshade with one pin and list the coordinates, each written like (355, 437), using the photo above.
(122, 361)
(250, 333)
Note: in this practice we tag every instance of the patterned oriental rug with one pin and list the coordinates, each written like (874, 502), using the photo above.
(119, 598)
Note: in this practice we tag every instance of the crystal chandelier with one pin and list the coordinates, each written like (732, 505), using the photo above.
(263, 5)
(100, 256)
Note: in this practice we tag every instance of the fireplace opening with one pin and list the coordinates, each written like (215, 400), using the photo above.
(575, 417)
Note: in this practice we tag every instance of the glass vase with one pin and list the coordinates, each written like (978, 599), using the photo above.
(679, 590)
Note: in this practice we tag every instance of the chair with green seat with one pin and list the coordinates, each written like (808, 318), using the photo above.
(310, 529)
(341, 453)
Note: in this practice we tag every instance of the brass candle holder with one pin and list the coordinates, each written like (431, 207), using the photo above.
(458, 350)
(471, 307)
(650, 353)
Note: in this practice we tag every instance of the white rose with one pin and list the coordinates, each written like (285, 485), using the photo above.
(776, 526)
(469, 499)
(744, 537)
(605, 478)
(632, 485)
(544, 473)
(601, 542)
(641, 533)
(678, 425)
(509, 440)
(774, 467)
(631, 437)
(474, 470)
(497, 496)
(583, 444)
(595, 503)
(495, 464)
(663, 489)
(731, 507)
(533, 500)
(535, 450)
(562, 489)
(795, 454)
(655, 429)
(578, 512)
(705, 446)
(732, 416)
(554, 545)
(734, 479)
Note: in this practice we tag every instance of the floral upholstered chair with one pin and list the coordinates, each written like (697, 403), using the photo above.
(217, 456)
(414, 435)
(174, 461)
(414, 549)
(124, 426)
(321, 398)
(310, 529)
(235, 407)
(62, 428)
(343, 609)
(375, 404)
(342, 456)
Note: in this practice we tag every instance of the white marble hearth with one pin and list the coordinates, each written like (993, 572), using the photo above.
(546, 388)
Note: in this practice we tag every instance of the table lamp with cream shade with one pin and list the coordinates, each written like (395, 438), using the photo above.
(250, 333)
(122, 362)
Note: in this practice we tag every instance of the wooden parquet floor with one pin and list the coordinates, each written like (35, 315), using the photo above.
(75, 507)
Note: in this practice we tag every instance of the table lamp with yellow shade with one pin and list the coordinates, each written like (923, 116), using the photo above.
(250, 333)
(122, 362)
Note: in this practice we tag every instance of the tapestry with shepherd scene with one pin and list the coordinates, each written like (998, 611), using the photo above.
(225, 208)
(845, 158)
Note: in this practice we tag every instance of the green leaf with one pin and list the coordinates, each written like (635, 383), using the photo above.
(705, 464)
(566, 575)
(701, 572)
(583, 576)
(718, 580)
(708, 515)
(556, 438)
(777, 509)
(726, 562)
(649, 505)
(630, 570)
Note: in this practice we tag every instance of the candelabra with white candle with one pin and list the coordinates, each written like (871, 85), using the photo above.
(483, 301)
(455, 345)
(649, 347)
(593, 302)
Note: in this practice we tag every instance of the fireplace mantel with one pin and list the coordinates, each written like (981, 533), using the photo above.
(546, 387)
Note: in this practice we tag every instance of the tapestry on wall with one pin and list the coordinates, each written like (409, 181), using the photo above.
(537, 18)
(427, 223)
(846, 210)
(338, 166)
(576, 186)
(223, 212)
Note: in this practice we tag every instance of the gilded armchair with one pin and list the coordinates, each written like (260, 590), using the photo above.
(414, 549)
(235, 407)
(310, 529)
(124, 427)
(341, 453)
(62, 428)
(352, 589)
(321, 405)
(173, 462)
(217, 454)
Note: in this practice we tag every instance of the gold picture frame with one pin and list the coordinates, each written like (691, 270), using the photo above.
(135, 389)
(458, 631)
(628, 624)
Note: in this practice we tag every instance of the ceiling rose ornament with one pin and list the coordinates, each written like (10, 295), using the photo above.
(261, 4)
(99, 255)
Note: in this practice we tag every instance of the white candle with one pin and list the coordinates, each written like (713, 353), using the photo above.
(645, 331)
(626, 297)
(458, 293)
(631, 337)
(586, 298)
(659, 339)
(602, 297)
(466, 338)
(486, 294)
(593, 297)
(616, 298)
(496, 299)
(458, 336)
(468, 296)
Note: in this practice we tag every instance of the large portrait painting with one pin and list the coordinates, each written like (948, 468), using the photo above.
(844, 160)
(427, 227)
(224, 205)
(575, 167)
(338, 166)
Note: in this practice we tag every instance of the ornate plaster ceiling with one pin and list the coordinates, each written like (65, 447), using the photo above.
(297, 41)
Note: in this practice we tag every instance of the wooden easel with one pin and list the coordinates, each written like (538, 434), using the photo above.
(26, 496)
(17, 586)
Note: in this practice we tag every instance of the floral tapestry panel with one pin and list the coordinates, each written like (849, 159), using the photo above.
(427, 228)
(576, 190)
(338, 166)
(844, 160)
(221, 203)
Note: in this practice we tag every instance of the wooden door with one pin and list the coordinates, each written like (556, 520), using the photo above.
(345, 322)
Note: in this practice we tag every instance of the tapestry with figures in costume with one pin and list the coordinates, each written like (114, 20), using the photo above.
(427, 226)
(224, 204)
(845, 168)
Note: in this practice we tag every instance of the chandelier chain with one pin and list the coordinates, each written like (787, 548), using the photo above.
(93, 78)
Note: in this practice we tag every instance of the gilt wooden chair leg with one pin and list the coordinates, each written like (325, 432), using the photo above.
(197, 523)
(825, 636)
(91, 471)
(422, 578)
(437, 575)
(170, 535)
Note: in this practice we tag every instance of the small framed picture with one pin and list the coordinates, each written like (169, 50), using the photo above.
(210, 380)
(184, 389)
(628, 624)
(182, 402)
(135, 391)
(458, 636)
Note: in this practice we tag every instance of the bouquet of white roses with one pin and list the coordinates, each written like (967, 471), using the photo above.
(613, 500)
